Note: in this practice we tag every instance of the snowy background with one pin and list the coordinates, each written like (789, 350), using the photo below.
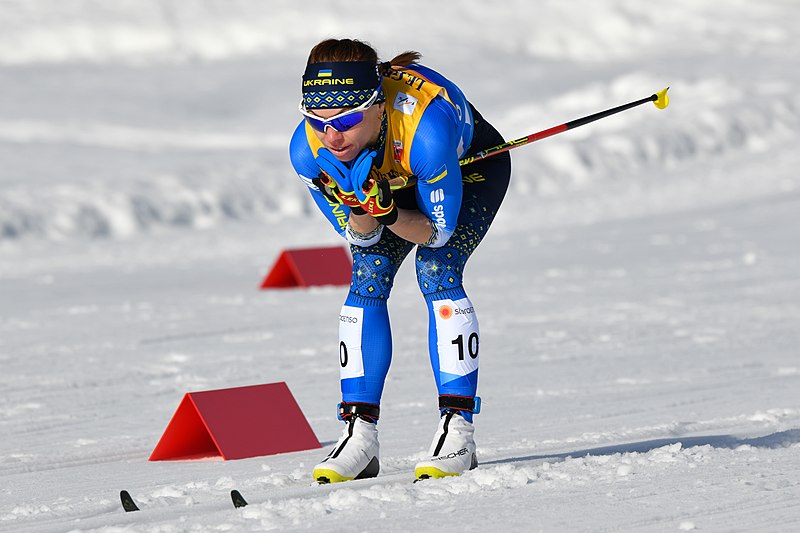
(639, 294)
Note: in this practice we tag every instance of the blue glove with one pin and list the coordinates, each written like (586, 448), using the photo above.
(353, 186)
(359, 173)
(335, 169)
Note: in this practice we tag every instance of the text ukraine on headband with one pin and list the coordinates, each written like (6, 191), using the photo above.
(329, 81)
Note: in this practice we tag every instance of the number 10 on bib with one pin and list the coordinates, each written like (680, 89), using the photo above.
(458, 338)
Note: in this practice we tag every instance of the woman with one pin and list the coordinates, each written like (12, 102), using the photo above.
(379, 149)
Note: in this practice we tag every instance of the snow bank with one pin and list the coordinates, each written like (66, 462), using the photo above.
(102, 211)
(140, 32)
(633, 147)
(95, 167)
(707, 121)
(147, 31)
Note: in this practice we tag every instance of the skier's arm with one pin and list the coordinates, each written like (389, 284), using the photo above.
(302, 159)
(434, 160)
(359, 230)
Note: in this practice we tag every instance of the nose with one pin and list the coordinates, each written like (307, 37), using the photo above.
(332, 136)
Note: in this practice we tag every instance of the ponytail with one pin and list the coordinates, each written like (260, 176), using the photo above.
(401, 60)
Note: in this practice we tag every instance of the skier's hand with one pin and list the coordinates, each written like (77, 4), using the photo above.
(335, 195)
(360, 173)
(379, 201)
(334, 181)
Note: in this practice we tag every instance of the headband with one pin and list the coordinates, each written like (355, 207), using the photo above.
(340, 84)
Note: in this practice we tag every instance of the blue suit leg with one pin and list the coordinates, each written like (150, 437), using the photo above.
(453, 332)
(365, 338)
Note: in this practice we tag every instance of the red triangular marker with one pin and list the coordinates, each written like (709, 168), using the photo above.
(235, 424)
(306, 267)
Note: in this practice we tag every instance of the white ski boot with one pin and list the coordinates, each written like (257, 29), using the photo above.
(355, 455)
(453, 449)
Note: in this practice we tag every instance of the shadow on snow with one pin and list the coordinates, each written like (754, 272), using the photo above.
(780, 439)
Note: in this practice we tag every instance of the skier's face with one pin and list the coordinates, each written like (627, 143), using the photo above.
(346, 145)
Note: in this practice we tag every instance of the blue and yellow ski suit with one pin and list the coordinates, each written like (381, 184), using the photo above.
(430, 126)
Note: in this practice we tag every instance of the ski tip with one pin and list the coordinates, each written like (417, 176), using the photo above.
(127, 502)
(238, 499)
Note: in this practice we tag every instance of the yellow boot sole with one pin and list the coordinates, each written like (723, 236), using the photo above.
(322, 475)
(426, 472)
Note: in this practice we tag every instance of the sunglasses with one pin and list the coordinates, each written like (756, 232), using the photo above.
(344, 120)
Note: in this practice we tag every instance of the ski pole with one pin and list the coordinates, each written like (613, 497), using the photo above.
(660, 100)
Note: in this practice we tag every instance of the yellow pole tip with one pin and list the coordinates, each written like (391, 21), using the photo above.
(662, 100)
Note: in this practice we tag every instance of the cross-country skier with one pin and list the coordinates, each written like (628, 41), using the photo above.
(379, 150)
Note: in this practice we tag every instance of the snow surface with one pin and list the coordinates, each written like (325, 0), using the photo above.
(639, 293)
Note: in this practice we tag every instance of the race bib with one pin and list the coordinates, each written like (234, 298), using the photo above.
(351, 361)
(458, 338)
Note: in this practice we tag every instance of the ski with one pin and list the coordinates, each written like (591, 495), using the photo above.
(238, 500)
(127, 502)
(129, 505)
